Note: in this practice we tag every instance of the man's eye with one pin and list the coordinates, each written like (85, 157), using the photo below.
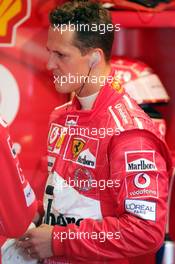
(60, 54)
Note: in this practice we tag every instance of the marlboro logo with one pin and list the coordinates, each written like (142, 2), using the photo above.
(71, 120)
(12, 14)
(140, 161)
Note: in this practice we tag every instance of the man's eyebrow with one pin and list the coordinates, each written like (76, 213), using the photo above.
(56, 51)
(52, 50)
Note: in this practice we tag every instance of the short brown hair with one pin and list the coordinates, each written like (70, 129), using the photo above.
(87, 13)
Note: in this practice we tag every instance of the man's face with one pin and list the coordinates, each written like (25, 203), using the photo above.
(66, 60)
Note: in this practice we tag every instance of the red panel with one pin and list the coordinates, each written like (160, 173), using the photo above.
(138, 19)
(156, 48)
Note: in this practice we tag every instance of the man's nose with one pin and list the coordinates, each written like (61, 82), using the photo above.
(51, 64)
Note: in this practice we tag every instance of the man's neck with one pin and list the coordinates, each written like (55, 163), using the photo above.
(95, 81)
(87, 101)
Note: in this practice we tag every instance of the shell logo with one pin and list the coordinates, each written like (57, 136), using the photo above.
(12, 14)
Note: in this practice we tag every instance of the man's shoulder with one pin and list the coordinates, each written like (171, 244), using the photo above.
(128, 115)
(59, 110)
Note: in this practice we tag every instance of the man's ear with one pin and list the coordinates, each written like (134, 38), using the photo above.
(95, 59)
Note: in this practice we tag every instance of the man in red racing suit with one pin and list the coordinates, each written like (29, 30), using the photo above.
(106, 194)
(17, 198)
(105, 199)
(122, 208)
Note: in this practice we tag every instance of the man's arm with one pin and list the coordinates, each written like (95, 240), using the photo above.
(136, 160)
(17, 199)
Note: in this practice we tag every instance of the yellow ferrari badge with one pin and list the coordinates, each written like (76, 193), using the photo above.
(77, 146)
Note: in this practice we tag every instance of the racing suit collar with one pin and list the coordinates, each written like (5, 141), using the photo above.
(87, 101)
(105, 94)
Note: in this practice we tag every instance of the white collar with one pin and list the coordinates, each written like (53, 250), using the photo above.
(87, 101)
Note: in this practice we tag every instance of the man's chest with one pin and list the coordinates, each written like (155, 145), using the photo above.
(79, 170)
(78, 142)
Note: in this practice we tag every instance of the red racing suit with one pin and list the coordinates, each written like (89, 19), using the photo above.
(17, 200)
(106, 193)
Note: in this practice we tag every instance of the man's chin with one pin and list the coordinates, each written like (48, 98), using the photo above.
(61, 89)
(64, 89)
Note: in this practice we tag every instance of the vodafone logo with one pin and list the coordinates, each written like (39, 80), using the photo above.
(142, 180)
(142, 185)
(9, 95)
(12, 14)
